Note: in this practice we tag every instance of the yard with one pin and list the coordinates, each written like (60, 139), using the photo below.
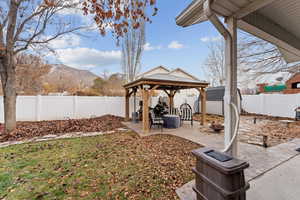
(118, 165)
(111, 166)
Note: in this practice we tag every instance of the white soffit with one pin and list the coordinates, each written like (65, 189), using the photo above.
(276, 21)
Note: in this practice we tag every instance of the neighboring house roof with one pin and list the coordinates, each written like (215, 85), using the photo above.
(158, 69)
(293, 77)
(184, 72)
(170, 77)
(163, 70)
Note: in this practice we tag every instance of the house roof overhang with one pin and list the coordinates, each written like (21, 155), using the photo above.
(276, 21)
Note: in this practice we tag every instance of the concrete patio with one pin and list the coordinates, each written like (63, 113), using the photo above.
(261, 159)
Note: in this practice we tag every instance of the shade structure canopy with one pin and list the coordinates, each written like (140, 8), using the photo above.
(166, 82)
(276, 21)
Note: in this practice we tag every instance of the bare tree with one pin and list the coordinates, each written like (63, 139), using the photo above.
(29, 74)
(214, 65)
(256, 58)
(132, 49)
(259, 56)
(27, 25)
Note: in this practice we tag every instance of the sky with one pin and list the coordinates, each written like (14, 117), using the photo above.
(166, 44)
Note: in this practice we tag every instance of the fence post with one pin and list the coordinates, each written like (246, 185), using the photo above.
(75, 104)
(38, 105)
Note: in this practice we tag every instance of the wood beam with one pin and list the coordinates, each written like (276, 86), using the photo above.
(253, 6)
(171, 99)
(130, 93)
(167, 92)
(145, 111)
(203, 106)
(266, 29)
(127, 105)
(154, 88)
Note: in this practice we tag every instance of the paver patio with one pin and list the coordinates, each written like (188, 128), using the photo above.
(261, 159)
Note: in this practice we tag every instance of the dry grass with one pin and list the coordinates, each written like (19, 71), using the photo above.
(111, 166)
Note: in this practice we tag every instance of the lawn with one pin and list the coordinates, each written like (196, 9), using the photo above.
(111, 166)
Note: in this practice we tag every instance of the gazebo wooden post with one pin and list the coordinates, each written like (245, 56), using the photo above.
(171, 99)
(203, 105)
(127, 104)
(145, 110)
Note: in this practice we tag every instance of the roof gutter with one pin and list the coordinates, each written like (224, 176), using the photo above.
(193, 14)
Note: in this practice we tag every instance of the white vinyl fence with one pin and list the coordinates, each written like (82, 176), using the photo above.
(37, 108)
(280, 105)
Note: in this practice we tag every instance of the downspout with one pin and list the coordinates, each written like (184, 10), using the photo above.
(212, 17)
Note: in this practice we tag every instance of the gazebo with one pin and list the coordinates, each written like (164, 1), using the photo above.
(170, 84)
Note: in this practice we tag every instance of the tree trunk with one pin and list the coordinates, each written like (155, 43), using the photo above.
(8, 80)
(9, 102)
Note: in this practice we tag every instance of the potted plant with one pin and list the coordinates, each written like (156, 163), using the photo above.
(217, 127)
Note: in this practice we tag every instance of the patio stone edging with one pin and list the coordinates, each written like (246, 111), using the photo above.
(60, 136)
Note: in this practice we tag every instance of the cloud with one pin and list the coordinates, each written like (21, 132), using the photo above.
(66, 41)
(175, 45)
(211, 39)
(148, 47)
(87, 58)
(73, 7)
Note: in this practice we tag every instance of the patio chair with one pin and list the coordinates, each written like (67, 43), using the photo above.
(174, 111)
(186, 113)
(155, 121)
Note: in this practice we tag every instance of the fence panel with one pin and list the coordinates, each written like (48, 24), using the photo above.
(31, 108)
(280, 105)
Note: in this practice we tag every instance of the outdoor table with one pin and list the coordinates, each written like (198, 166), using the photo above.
(171, 121)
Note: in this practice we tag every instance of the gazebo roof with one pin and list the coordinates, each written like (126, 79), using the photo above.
(167, 81)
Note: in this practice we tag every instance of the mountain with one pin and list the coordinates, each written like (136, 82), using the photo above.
(73, 76)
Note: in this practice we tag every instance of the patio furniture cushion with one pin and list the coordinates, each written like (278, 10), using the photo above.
(171, 121)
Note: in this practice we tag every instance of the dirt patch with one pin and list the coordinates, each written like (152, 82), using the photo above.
(27, 130)
(277, 129)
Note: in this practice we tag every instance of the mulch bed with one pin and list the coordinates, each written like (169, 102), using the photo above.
(280, 133)
(265, 117)
(277, 131)
(27, 130)
(210, 118)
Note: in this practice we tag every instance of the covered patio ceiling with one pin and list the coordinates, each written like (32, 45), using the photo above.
(170, 84)
(276, 21)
